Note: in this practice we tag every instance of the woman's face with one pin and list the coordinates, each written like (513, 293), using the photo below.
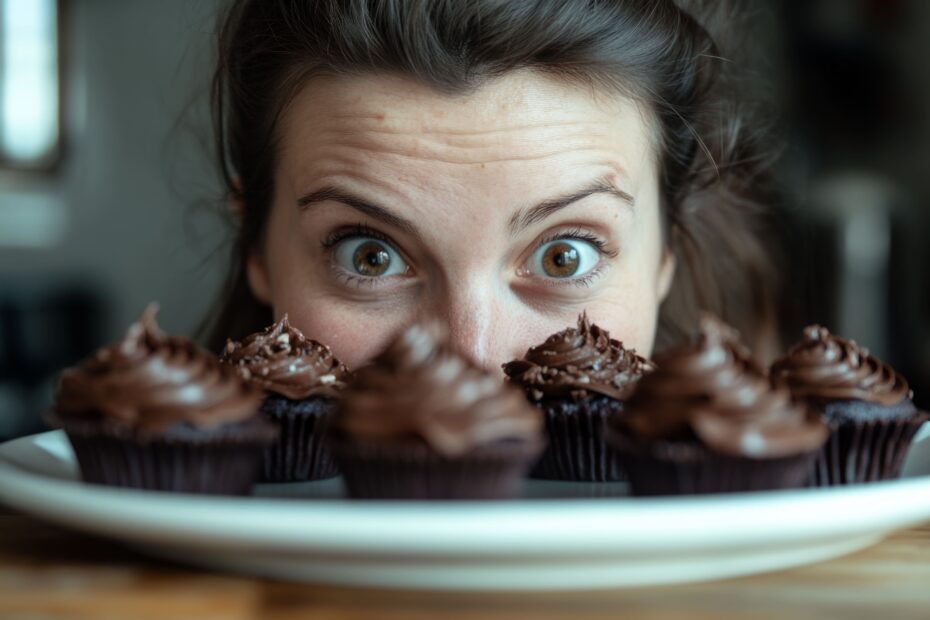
(505, 213)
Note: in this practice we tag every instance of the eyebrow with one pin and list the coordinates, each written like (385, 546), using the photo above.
(527, 217)
(519, 221)
(374, 211)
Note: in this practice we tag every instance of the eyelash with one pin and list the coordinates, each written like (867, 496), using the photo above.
(581, 235)
(363, 230)
(358, 230)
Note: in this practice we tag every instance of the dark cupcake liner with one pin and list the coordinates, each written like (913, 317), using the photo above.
(412, 471)
(300, 453)
(865, 451)
(223, 461)
(577, 449)
(670, 468)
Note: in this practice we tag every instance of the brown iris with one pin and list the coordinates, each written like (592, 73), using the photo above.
(371, 259)
(560, 260)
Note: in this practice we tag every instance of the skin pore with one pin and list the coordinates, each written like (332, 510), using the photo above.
(504, 212)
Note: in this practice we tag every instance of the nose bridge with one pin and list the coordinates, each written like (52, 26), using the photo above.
(468, 308)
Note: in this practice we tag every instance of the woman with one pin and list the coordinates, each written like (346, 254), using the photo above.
(501, 164)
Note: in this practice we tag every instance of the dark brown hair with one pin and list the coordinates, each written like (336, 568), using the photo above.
(711, 166)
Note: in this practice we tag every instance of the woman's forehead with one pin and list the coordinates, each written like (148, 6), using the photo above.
(523, 114)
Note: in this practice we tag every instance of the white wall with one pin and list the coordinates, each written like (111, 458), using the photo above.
(138, 195)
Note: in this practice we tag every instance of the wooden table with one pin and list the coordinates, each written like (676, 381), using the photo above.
(48, 572)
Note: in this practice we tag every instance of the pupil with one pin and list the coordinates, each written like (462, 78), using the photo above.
(563, 258)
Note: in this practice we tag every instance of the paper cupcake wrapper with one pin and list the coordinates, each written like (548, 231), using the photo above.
(300, 453)
(858, 452)
(669, 468)
(222, 462)
(577, 449)
(371, 471)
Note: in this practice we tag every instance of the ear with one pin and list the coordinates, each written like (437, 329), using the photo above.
(256, 270)
(236, 208)
(666, 273)
(234, 203)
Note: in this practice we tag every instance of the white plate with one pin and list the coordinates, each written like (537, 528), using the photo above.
(560, 536)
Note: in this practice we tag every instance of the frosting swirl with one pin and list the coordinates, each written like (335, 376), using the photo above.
(150, 381)
(419, 390)
(282, 360)
(577, 361)
(712, 390)
(824, 367)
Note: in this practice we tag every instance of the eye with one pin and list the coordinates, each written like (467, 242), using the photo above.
(368, 257)
(564, 258)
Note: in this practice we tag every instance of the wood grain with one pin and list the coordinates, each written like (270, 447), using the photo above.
(49, 572)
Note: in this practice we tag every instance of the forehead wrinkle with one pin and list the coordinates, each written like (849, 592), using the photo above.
(392, 105)
(382, 125)
(449, 143)
(405, 187)
(366, 186)
(390, 185)
(434, 151)
(385, 179)
(588, 129)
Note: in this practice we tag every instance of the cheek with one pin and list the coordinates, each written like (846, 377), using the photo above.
(631, 321)
(355, 332)
(629, 317)
(629, 312)
(354, 337)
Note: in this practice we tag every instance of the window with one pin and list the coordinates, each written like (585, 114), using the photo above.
(29, 84)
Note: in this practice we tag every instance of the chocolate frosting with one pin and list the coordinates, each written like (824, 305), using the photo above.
(712, 390)
(578, 361)
(282, 360)
(419, 390)
(823, 367)
(151, 381)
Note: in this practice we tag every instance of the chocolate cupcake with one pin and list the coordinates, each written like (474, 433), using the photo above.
(578, 378)
(867, 404)
(155, 412)
(422, 423)
(302, 382)
(708, 421)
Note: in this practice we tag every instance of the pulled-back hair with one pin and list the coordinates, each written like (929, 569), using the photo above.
(664, 56)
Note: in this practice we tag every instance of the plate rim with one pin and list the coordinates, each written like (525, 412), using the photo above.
(450, 528)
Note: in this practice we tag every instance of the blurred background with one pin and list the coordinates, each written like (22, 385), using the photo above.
(109, 198)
